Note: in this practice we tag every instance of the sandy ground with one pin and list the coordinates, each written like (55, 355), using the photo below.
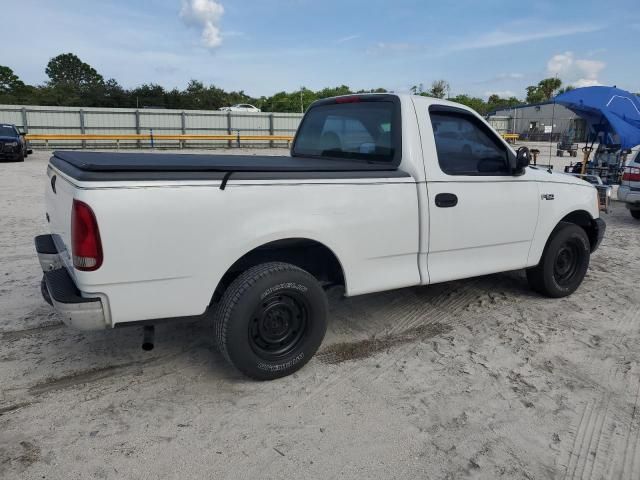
(470, 379)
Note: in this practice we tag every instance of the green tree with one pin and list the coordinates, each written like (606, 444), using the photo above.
(566, 89)
(149, 95)
(439, 89)
(9, 81)
(544, 91)
(374, 90)
(495, 102)
(476, 103)
(417, 89)
(68, 71)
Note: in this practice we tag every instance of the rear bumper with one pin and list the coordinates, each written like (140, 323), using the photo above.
(59, 289)
(600, 227)
(9, 157)
(630, 196)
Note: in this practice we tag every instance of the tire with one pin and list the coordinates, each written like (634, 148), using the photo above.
(271, 320)
(635, 214)
(564, 262)
(559, 153)
(20, 158)
(45, 292)
(574, 153)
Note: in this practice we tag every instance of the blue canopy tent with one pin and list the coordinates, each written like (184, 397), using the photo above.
(608, 110)
(613, 116)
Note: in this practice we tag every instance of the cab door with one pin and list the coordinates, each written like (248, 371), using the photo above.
(481, 217)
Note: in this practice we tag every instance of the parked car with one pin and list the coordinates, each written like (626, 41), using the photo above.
(13, 146)
(368, 199)
(629, 190)
(241, 107)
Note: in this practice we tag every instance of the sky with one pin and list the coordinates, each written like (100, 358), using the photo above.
(266, 46)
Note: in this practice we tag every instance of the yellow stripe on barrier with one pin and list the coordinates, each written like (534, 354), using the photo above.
(266, 138)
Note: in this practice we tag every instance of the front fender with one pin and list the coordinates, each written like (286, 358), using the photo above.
(557, 201)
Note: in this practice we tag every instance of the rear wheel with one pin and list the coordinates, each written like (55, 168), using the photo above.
(635, 214)
(271, 320)
(564, 262)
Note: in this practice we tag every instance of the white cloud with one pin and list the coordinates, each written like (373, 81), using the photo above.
(509, 76)
(519, 34)
(393, 48)
(578, 72)
(204, 14)
(347, 39)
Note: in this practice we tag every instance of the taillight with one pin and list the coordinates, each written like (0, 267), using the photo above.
(348, 99)
(86, 246)
(631, 174)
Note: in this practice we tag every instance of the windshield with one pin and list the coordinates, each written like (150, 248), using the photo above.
(359, 130)
(7, 131)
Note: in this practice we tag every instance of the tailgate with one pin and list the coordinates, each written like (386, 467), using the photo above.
(59, 194)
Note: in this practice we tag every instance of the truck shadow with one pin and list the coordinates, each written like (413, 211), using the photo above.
(359, 327)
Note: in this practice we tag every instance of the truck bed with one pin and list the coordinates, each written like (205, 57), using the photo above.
(106, 166)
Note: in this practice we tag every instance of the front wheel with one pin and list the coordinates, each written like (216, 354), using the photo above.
(271, 320)
(563, 264)
(635, 214)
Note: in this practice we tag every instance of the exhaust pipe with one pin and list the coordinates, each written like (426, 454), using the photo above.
(148, 335)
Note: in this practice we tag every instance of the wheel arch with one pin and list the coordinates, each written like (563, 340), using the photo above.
(583, 219)
(311, 255)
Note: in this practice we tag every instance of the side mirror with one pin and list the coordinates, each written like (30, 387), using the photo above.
(523, 158)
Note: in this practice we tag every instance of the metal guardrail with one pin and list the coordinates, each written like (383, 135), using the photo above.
(510, 137)
(150, 137)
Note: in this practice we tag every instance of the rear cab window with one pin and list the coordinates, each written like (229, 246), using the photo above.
(357, 128)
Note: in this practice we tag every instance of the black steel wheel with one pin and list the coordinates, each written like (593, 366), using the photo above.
(271, 320)
(567, 262)
(278, 324)
(564, 262)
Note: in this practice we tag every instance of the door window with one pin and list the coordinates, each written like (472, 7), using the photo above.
(465, 146)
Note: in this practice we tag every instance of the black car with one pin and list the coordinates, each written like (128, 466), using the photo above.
(13, 146)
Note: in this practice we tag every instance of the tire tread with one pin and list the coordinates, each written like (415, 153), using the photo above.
(234, 293)
(536, 275)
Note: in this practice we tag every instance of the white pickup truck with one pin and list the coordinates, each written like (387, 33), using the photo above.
(380, 192)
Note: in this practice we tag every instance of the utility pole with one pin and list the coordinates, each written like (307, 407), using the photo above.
(301, 102)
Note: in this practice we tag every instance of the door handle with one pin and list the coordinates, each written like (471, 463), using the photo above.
(446, 200)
